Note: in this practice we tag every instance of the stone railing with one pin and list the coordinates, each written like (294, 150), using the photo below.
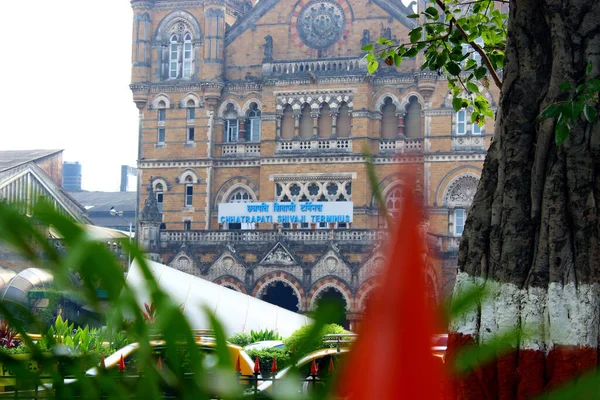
(400, 145)
(367, 236)
(316, 145)
(467, 143)
(444, 243)
(240, 149)
(318, 67)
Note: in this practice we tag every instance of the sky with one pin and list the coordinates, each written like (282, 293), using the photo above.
(66, 75)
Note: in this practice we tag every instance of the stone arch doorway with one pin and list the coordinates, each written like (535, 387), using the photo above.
(281, 294)
(333, 295)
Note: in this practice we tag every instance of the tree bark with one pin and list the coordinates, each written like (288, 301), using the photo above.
(532, 232)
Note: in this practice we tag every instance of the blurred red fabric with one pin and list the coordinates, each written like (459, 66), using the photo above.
(392, 357)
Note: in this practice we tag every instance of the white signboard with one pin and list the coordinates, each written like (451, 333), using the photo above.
(289, 212)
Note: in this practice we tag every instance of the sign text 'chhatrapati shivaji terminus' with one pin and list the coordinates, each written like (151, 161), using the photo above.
(253, 123)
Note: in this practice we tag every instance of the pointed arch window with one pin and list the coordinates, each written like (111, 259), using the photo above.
(187, 56)
(306, 122)
(173, 57)
(158, 191)
(344, 121)
(254, 123)
(189, 192)
(191, 111)
(412, 120)
(393, 200)
(287, 123)
(232, 124)
(389, 121)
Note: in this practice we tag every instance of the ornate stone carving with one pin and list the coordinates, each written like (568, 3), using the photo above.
(321, 23)
(462, 191)
(278, 255)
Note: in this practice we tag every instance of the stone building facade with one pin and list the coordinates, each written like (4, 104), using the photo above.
(243, 102)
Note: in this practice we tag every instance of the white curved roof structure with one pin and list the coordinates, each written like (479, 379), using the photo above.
(236, 311)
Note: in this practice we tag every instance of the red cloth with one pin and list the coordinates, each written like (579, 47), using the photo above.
(392, 357)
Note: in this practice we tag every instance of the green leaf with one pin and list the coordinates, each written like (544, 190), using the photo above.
(586, 386)
(411, 53)
(457, 103)
(412, 16)
(453, 68)
(466, 300)
(589, 67)
(480, 72)
(472, 87)
(397, 60)
(415, 34)
(590, 113)
(551, 111)
(372, 66)
(561, 133)
(368, 47)
(565, 86)
(432, 11)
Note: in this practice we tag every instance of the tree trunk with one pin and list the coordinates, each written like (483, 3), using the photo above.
(532, 232)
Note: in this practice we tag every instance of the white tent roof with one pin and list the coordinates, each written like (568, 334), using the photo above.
(237, 312)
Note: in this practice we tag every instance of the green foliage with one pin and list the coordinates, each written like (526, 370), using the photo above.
(240, 339)
(582, 103)
(265, 358)
(464, 41)
(264, 334)
(311, 341)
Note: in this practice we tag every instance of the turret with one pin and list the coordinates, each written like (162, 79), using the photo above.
(150, 220)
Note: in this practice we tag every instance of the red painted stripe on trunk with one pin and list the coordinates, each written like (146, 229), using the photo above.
(530, 373)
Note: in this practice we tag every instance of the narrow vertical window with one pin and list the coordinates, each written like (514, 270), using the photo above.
(191, 110)
(461, 122)
(161, 135)
(476, 129)
(232, 130)
(389, 120)
(187, 56)
(159, 196)
(190, 134)
(254, 118)
(459, 221)
(162, 113)
(187, 225)
(173, 57)
(189, 195)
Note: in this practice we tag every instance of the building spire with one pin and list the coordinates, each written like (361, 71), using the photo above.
(151, 213)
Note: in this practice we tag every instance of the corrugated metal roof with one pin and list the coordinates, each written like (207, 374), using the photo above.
(103, 201)
(12, 158)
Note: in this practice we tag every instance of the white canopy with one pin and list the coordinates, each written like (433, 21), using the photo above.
(236, 311)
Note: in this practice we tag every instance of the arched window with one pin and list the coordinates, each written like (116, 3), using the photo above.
(189, 191)
(232, 124)
(412, 120)
(325, 121)
(393, 200)
(287, 123)
(458, 198)
(187, 56)
(344, 121)
(173, 58)
(253, 124)
(240, 195)
(161, 114)
(158, 191)
(389, 121)
(306, 122)
(191, 110)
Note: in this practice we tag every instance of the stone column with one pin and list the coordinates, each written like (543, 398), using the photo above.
(242, 132)
(400, 124)
(297, 123)
(334, 117)
(315, 117)
(278, 126)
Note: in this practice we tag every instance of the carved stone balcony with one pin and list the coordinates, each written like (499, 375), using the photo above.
(240, 150)
(346, 66)
(317, 145)
(468, 143)
(400, 145)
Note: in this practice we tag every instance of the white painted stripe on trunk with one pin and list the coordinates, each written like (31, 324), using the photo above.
(560, 315)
